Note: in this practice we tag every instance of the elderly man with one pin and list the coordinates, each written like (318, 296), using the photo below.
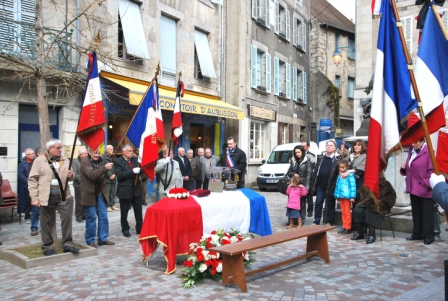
(24, 170)
(198, 164)
(46, 184)
(93, 170)
(185, 169)
(111, 180)
(195, 168)
(210, 161)
(323, 182)
(79, 210)
(129, 189)
(236, 158)
(169, 172)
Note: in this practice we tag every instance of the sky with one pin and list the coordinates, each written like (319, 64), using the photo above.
(347, 7)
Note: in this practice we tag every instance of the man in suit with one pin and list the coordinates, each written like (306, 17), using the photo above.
(129, 189)
(236, 158)
(111, 180)
(185, 169)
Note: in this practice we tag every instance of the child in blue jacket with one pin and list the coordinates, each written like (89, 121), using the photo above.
(345, 192)
(294, 191)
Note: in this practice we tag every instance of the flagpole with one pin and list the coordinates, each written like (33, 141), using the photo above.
(439, 21)
(415, 88)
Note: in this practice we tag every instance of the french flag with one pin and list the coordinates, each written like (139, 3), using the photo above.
(92, 117)
(376, 6)
(391, 100)
(431, 75)
(147, 132)
(176, 127)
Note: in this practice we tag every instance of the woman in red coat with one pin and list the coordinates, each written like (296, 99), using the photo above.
(418, 169)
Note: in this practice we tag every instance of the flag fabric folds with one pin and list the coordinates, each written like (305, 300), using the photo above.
(391, 99)
(376, 5)
(431, 75)
(147, 132)
(176, 127)
(92, 118)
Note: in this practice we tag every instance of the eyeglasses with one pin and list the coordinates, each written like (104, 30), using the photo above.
(30, 154)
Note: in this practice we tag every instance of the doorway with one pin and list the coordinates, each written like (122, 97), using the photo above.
(201, 136)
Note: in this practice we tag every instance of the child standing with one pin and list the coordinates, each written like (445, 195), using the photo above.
(294, 191)
(345, 192)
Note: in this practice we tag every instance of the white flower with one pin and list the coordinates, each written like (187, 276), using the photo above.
(202, 267)
(219, 268)
(215, 239)
(206, 254)
(233, 239)
(246, 257)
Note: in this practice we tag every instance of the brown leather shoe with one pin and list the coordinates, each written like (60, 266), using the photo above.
(34, 233)
(93, 245)
(106, 243)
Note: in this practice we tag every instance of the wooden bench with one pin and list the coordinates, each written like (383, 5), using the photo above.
(232, 261)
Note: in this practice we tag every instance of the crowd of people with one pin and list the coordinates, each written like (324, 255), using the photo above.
(335, 176)
(338, 175)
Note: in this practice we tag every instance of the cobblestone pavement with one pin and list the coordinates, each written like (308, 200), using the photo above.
(357, 271)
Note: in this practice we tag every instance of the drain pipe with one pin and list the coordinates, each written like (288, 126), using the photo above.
(78, 35)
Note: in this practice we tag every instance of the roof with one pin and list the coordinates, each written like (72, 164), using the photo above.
(327, 14)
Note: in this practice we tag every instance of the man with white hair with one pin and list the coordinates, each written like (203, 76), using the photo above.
(46, 184)
(323, 182)
(185, 169)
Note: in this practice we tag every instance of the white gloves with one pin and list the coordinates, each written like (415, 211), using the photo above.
(435, 179)
(136, 170)
(167, 160)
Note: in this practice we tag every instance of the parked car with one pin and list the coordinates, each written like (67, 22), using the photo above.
(277, 165)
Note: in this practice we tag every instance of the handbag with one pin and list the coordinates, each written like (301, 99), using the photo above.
(283, 184)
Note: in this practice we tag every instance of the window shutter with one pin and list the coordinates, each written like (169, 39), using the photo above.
(288, 81)
(407, 28)
(288, 25)
(294, 31)
(277, 17)
(276, 79)
(268, 20)
(304, 36)
(445, 19)
(7, 31)
(294, 83)
(268, 73)
(253, 70)
(168, 45)
(254, 9)
(304, 87)
(27, 33)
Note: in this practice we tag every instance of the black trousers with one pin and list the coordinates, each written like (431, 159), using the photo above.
(422, 217)
(310, 203)
(205, 183)
(125, 205)
(26, 194)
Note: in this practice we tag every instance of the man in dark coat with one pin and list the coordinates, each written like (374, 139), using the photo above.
(323, 182)
(93, 170)
(236, 158)
(185, 169)
(111, 180)
(129, 189)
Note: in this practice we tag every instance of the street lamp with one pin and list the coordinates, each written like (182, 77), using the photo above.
(337, 55)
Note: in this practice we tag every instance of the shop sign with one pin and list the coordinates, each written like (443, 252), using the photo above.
(262, 113)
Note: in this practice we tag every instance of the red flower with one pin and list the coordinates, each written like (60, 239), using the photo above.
(213, 232)
(213, 271)
(199, 250)
(209, 245)
(225, 241)
(200, 256)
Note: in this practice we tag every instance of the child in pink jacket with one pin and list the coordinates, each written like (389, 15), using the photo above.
(295, 191)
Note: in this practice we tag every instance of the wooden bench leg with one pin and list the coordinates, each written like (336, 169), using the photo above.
(319, 243)
(233, 271)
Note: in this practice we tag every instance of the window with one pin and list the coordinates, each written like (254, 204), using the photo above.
(257, 140)
(351, 88)
(299, 86)
(282, 21)
(337, 81)
(261, 70)
(282, 85)
(298, 3)
(407, 30)
(204, 56)
(337, 41)
(168, 59)
(260, 12)
(299, 34)
(131, 36)
(17, 32)
(351, 50)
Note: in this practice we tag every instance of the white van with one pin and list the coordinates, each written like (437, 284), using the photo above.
(277, 165)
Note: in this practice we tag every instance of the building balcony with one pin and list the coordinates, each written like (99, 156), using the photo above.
(18, 40)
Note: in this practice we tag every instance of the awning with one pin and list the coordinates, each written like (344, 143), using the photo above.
(192, 102)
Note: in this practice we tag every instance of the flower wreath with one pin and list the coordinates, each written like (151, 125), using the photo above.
(178, 193)
(202, 263)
